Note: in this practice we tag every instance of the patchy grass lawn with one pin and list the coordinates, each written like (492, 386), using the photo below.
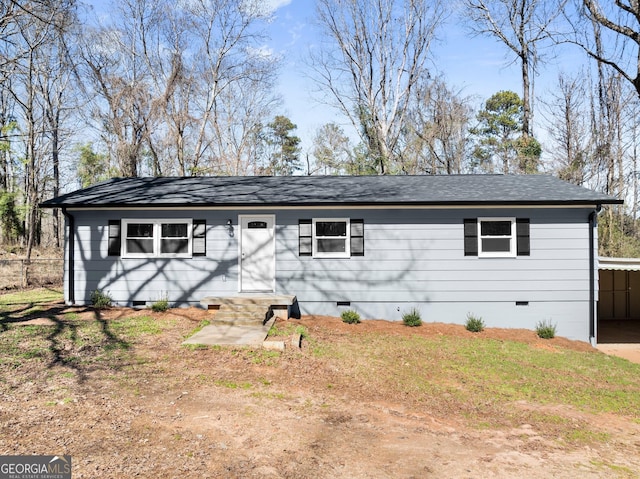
(115, 389)
(481, 373)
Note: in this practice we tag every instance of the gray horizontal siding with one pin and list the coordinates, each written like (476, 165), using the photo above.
(455, 266)
(181, 280)
(424, 258)
(412, 257)
(474, 278)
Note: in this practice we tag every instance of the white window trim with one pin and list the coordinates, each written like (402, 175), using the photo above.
(512, 253)
(157, 231)
(347, 239)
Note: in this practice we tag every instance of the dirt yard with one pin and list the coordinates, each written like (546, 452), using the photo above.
(159, 410)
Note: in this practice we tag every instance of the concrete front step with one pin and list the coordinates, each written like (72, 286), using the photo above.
(248, 309)
(270, 299)
(239, 316)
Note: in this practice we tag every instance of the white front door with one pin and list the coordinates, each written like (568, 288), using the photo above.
(257, 253)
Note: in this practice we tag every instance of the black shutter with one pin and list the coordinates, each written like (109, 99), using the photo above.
(522, 236)
(199, 238)
(305, 240)
(115, 237)
(471, 237)
(357, 237)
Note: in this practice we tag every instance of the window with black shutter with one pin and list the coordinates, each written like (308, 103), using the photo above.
(471, 237)
(496, 237)
(199, 237)
(156, 238)
(331, 237)
(115, 238)
(305, 238)
(522, 231)
(357, 237)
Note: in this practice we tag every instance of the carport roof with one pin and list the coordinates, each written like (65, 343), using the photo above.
(621, 264)
(230, 191)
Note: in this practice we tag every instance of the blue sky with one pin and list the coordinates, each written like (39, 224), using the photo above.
(477, 66)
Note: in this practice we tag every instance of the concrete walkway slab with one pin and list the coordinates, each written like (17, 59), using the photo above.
(225, 334)
(630, 352)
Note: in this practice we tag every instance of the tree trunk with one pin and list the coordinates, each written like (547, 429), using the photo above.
(526, 94)
(56, 178)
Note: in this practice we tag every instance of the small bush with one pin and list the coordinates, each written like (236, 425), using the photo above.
(474, 323)
(350, 316)
(160, 306)
(412, 318)
(100, 299)
(546, 330)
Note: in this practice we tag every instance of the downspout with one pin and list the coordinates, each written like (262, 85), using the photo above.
(71, 248)
(592, 275)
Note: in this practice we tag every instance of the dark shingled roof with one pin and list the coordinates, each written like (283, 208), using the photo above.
(228, 191)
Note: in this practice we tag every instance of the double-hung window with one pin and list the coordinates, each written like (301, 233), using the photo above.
(502, 237)
(157, 238)
(331, 237)
(497, 237)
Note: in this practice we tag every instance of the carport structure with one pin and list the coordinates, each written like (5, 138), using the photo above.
(619, 300)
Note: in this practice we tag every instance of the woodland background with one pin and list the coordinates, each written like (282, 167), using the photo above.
(183, 87)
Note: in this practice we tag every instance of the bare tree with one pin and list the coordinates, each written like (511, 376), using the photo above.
(608, 33)
(436, 136)
(57, 102)
(9, 13)
(228, 60)
(181, 85)
(120, 62)
(243, 110)
(32, 83)
(14, 14)
(611, 142)
(568, 114)
(634, 152)
(621, 21)
(375, 54)
(522, 26)
(7, 127)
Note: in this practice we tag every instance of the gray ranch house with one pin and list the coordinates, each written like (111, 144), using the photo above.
(514, 250)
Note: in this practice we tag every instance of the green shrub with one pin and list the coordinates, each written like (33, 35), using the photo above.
(546, 330)
(350, 316)
(474, 323)
(160, 305)
(100, 299)
(412, 318)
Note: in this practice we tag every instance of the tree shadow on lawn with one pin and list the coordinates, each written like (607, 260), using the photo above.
(66, 345)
